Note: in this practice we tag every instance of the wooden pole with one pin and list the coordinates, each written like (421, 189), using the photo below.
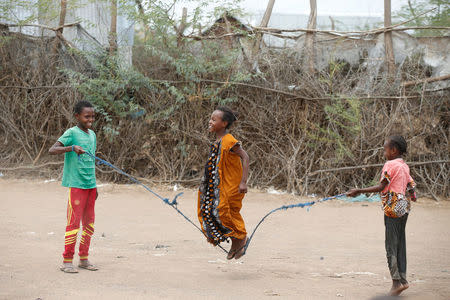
(267, 13)
(229, 30)
(388, 45)
(426, 80)
(332, 23)
(264, 23)
(113, 29)
(62, 20)
(309, 42)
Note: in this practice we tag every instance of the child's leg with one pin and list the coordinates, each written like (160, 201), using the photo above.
(88, 224)
(395, 254)
(75, 207)
(401, 254)
(237, 220)
(392, 239)
(240, 234)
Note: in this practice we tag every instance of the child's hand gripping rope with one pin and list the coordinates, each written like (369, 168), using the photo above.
(78, 149)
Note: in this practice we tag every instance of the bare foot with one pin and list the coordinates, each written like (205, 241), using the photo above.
(68, 268)
(85, 264)
(404, 287)
(397, 288)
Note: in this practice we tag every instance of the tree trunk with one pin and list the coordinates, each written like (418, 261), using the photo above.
(140, 8)
(182, 27)
(309, 42)
(388, 45)
(413, 13)
(113, 29)
(62, 20)
(144, 19)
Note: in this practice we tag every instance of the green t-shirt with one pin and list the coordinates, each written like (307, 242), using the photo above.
(79, 171)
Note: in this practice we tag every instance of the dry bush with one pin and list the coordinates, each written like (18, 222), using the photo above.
(288, 135)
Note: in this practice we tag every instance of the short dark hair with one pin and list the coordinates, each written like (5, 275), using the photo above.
(399, 142)
(78, 108)
(228, 115)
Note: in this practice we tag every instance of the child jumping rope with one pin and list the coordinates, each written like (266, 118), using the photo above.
(397, 189)
(223, 186)
(79, 177)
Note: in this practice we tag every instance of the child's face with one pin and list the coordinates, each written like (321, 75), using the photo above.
(389, 151)
(216, 122)
(86, 117)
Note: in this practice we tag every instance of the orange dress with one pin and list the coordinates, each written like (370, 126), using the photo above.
(219, 200)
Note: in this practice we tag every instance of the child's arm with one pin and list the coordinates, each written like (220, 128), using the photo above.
(245, 165)
(59, 148)
(373, 189)
(411, 190)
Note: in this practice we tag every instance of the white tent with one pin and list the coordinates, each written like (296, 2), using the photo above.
(94, 18)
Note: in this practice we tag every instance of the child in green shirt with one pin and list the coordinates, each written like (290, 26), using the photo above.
(79, 177)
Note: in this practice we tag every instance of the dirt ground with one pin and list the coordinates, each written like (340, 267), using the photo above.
(147, 251)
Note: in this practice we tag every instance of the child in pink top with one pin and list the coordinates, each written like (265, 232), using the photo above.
(399, 186)
(397, 189)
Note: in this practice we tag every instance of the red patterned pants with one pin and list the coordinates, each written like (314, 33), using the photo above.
(80, 208)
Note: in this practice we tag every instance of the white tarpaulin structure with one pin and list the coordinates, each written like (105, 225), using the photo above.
(94, 19)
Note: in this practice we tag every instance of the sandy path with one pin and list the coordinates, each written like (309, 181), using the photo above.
(335, 250)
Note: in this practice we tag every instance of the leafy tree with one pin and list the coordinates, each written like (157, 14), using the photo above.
(186, 62)
(159, 46)
(439, 16)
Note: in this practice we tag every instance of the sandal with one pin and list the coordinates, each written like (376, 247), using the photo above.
(68, 269)
(241, 251)
(89, 267)
(231, 254)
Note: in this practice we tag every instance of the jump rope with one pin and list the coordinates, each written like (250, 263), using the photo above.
(174, 204)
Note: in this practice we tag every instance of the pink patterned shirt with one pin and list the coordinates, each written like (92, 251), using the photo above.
(397, 175)
(396, 196)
